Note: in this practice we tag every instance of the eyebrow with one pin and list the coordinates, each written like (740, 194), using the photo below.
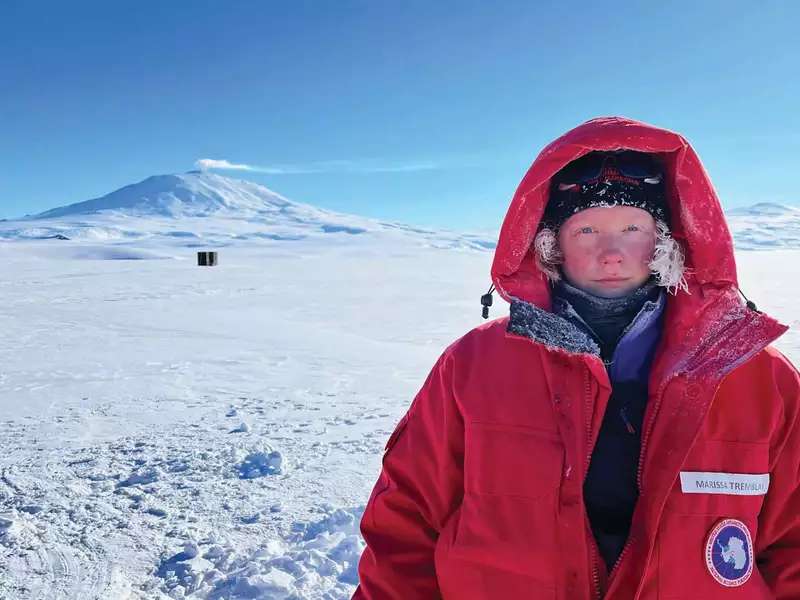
(634, 221)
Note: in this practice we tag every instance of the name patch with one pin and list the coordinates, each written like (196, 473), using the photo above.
(737, 484)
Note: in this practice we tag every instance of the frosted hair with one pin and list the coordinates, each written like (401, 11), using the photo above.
(668, 261)
(548, 254)
(667, 264)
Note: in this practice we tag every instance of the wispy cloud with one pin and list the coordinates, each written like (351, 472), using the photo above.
(206, 164)
(331, 166)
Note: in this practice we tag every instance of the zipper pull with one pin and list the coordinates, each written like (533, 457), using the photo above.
(623, 413)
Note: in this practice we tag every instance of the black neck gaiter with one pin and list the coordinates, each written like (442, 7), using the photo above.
(607, 317)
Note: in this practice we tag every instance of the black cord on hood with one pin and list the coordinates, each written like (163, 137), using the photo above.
(750, 304)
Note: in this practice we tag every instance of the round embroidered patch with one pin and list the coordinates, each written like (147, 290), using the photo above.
(729, 553)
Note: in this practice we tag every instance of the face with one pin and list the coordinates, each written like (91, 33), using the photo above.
(607, 249)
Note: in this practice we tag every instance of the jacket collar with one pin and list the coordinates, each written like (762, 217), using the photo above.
(549, 329)
(564, 329)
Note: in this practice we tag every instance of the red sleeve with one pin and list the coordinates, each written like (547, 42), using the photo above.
(420, 486)
(778, 542)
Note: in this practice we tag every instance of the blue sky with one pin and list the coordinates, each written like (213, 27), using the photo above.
(423, 112)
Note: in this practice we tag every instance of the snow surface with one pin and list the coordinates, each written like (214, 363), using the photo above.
(239, 411)
(175, 431)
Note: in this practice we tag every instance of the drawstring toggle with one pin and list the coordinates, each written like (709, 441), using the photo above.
(486, 302)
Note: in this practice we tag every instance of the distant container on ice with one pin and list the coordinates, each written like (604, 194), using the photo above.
(206, 259)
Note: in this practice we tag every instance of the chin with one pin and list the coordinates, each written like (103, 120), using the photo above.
(615, 293)
(588, 283)
(611, 291)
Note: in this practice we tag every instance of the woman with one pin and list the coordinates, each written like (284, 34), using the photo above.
(627, 432)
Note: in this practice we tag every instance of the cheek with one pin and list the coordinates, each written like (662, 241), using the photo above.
(642, 250)
(580, 261)
(578, 258)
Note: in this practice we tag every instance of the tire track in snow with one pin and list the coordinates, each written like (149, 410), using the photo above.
(56, 539)
(10, 484)
(59, 571)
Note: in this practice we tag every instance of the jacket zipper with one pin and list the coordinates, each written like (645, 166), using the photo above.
(646, 429)
(598, 592)
(622, 554)
(640, 467)
(592, 544)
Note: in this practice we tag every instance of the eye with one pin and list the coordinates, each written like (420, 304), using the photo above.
(586, 230)
(632, 228)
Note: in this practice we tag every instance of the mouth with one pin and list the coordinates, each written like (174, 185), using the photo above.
(612, 280)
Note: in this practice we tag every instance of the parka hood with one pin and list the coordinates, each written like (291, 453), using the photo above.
(707, 329)
(697, 223)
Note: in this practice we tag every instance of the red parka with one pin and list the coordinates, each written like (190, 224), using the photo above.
(481, 491)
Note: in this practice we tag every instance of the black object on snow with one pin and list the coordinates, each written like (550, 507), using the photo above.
(206, 259)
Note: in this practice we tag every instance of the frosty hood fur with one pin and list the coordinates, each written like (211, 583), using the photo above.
(699, 323)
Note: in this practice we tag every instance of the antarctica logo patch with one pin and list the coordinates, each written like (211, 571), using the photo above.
(729, 553)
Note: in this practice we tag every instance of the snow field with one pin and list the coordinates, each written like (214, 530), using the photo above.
(180, 432)
(172, 431)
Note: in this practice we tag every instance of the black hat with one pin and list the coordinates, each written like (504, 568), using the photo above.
(620, 178)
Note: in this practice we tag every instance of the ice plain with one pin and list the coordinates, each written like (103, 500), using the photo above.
(175, 431)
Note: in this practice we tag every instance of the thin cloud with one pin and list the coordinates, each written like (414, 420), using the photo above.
(332, 166)
(206, 164)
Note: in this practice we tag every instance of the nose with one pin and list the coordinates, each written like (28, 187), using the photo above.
(611, 257)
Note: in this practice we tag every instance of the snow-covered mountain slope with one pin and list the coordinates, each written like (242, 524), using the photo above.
(765, 225)
(204, 210)
(195, 193)
(199, 209)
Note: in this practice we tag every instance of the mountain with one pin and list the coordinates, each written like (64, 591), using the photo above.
(201, 209)
(765, 225)
(765, 209)
(192, 194)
